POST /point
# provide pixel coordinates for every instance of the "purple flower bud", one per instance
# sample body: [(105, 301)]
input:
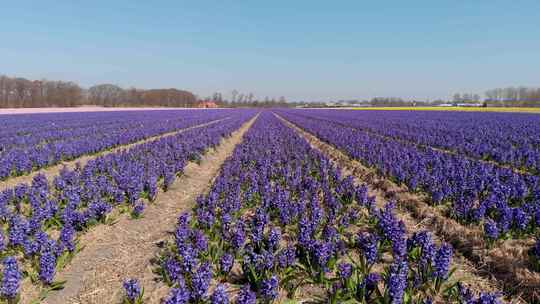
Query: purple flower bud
[(138, 208), (132, 289), (345, 270)]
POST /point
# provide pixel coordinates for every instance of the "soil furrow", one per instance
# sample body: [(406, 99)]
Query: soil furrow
[(476, 265), (55, 169), (125, 249)]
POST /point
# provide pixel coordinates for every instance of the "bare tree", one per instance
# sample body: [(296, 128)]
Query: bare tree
[(234, 93), (457, 97)]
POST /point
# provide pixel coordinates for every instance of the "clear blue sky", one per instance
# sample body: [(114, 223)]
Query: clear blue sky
[(316, 50)]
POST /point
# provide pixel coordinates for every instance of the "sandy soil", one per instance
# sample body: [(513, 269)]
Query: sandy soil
[(113, 253), (52, 171), (468, 272)]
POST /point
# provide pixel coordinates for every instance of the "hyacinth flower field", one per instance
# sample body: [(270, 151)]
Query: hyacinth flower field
[(31, 142), (270, 206)]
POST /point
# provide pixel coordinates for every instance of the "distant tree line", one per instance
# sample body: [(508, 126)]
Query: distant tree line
[(501, 97), (466, 98), (511, 96), (109, 95), (18, 92), (390, 102), (245, 100), (21, 92)]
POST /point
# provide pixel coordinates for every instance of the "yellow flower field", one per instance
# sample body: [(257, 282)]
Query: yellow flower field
[(467, 109)]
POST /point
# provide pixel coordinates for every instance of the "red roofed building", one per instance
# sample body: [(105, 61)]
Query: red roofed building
[(207, 104)]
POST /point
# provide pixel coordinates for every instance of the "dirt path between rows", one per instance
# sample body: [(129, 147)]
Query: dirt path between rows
[(55, 169), (113, 253), (473, 274)]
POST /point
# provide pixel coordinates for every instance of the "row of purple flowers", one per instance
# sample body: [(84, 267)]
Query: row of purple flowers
[(279, 218), (40, 222), (505, 138), (31, 142), (505, 202)]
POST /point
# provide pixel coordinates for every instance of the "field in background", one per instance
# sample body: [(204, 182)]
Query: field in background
[(82, 109), (467, 109)]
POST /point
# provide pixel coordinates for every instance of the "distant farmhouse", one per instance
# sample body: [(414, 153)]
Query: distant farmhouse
[(460, 105), (207, 104)]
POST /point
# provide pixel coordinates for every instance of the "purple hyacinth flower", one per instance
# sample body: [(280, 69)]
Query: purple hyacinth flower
[(67, 234), (488, 298), (219, 296), (200, 241), (246, 296), (286, 257), (424, 241), (178, 295), (269, 288), (442, 261), (371, 280), (521, 219), (226, 263), (138, 208), (491, 230), (132, 289), (172, 269), (200, 281), (397, 281), (11, 278), (274, 236), (345, 270), (368, 243), (47, 264)]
